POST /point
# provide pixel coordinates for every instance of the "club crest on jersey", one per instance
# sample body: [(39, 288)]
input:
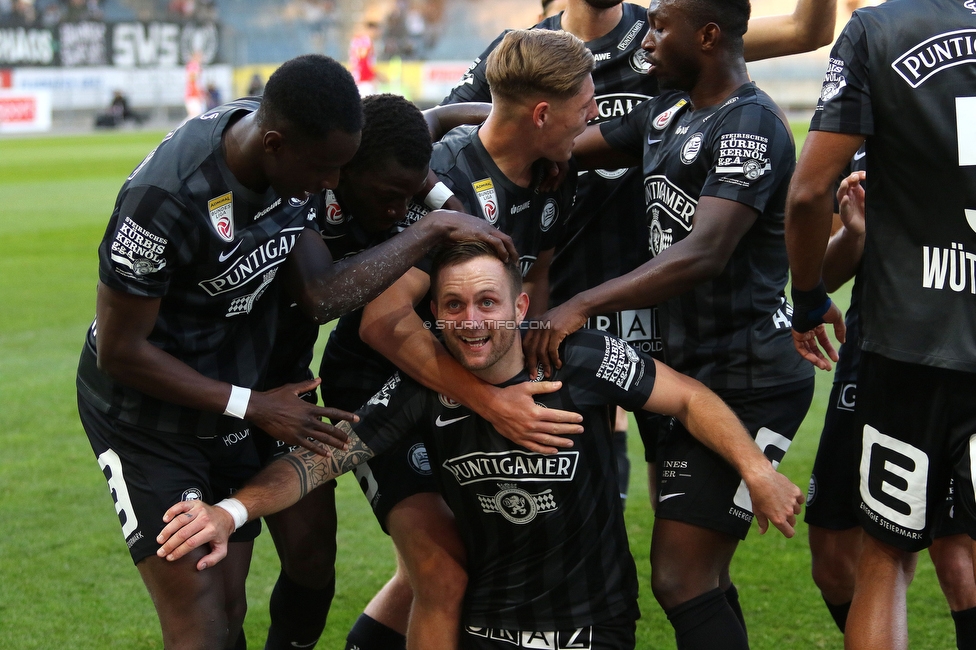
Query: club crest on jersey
[(639, 62), (296, 202), (661, 121), (333, 211), (447, 402), (691, 148), (834, 80), (549, 213), (222, 215), (517, 505), (192, 494), (418, 460), (485, 191)]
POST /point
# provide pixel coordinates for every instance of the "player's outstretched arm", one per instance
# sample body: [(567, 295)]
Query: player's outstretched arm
[(191, 524), (325, 290), (125, 322), (391, 327), (809, 207), (719, 226), (811, 25), (774, 498), (592, 151)]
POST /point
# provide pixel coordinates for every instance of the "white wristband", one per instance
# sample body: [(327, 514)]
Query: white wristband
[(237, 403), (438, 196), (236, 510)]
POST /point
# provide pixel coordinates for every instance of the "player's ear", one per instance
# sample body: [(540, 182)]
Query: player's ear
[(273, 140), (540, 114), (521, 306), (709, 36), (433, 307)]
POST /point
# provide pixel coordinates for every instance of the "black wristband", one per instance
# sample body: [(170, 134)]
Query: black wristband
[(809, 307)]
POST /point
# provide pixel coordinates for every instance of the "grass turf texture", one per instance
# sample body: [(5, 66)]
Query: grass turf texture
[(66, 580)]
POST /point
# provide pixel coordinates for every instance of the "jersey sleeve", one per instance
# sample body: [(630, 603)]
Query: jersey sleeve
[(139, 252), (626, 133), (603, 369), (752, 156), (473, 86), (845, 97), (392, 413)]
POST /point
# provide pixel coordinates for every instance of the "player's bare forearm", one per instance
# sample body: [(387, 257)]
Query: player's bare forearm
[(441, 119), (809, 204), (811, 25), (325, 290), (592, 151)]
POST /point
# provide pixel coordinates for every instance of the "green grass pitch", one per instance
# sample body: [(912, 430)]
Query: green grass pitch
[(66, 580)]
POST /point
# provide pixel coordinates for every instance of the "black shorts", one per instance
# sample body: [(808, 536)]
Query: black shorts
[(917, 427), (616, 634), (399, 472), (149, 471), (652, 427), (698, 487), (832, 497)]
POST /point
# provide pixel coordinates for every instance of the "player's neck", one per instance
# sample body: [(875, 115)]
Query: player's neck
[(506, 144), (242, 149), (716, 82), (589, 23)]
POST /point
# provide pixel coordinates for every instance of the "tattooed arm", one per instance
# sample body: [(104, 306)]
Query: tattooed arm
[(190, 524)]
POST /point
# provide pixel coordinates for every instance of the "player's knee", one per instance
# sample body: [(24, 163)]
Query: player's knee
[(314, 570), (236, 610), (834, 576), (668, 587)]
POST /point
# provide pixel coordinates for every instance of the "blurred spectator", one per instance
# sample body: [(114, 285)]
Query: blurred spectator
[(193, 95), (118, 113), (51, 14), (213, 96), (362, 59), (18, 13), (256, 87), (81, 10)]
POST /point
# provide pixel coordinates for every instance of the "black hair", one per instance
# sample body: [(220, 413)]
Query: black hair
[(392, 128), (732, 16), (313, 94)]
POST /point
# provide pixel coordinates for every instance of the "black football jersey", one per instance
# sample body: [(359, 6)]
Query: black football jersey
[(297, 333), (731, 332), (545, 537), (184, 230), (604, 236), (529, 217), (903, 74)]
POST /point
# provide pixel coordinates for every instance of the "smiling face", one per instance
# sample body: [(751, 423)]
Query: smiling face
[(298, 167), (567, 119), (480, 312), (671, 45), (379, 196)]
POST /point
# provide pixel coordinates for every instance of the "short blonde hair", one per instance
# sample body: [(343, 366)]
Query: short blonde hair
[(532, 62)]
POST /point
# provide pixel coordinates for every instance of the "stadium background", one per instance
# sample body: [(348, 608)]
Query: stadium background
[(65, 577)]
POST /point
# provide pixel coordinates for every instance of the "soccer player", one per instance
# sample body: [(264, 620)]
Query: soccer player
[(543, 99), (835, 537), (186, 314), (900, 78), (605, 234), (370, 200), (717, 159), (547, 549)]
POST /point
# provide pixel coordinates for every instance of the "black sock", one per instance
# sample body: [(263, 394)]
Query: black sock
[(619, 441), (707, 622), (965, 621), (369, 634), (241, 643), (297, 614), (839, 612), (732, 596)]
